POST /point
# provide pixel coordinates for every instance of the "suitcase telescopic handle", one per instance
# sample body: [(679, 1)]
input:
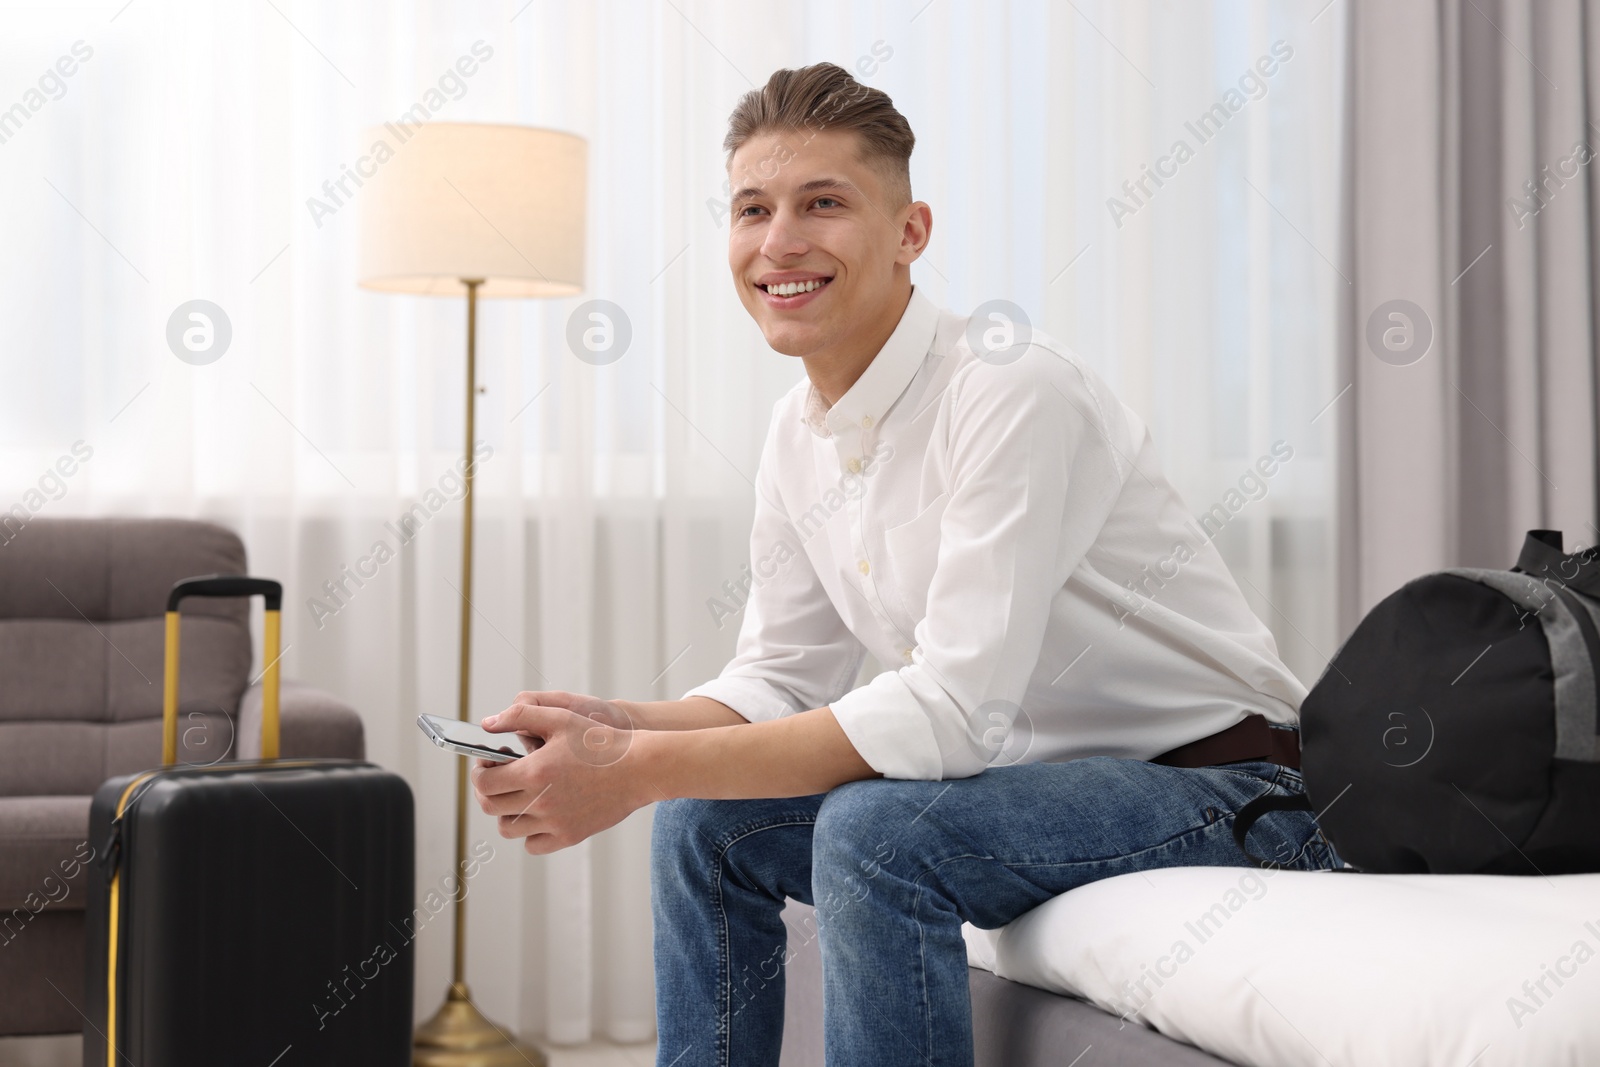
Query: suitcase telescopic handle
[(224, 585)]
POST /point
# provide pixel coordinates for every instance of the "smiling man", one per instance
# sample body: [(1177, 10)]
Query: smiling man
[(1051, 711)]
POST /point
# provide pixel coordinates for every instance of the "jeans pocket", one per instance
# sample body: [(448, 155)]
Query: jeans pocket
[(1290, 779), (1317, 852)]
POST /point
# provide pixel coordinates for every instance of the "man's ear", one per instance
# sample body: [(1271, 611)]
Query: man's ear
[(915, 233)]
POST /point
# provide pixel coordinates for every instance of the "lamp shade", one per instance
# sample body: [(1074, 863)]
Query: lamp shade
[(444, 201)]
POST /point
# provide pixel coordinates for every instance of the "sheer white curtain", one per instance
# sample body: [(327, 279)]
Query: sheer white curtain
[(179, 161)]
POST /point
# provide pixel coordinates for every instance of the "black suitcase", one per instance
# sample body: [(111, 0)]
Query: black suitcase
[(249, 913)]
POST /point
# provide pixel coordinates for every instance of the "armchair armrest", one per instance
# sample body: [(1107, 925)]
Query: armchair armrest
[(311, 724)]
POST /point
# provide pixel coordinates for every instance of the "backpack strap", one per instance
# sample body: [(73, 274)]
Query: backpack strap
[(1543, 557), (1253, 810)]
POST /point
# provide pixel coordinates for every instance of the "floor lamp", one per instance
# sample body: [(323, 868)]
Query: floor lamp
[(452, 209)]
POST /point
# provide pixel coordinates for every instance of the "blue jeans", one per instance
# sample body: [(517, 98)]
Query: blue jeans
[(893, 868)]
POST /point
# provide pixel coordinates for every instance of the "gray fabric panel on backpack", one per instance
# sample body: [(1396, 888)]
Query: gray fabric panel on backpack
[(1569, 657)]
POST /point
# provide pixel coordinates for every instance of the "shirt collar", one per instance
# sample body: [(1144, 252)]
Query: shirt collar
[(885, 378)]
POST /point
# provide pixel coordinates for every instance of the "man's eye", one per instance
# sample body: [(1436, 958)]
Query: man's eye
[(744, 211), (825, 201)]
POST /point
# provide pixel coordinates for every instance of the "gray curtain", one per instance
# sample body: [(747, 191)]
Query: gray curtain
[(1470, 193)]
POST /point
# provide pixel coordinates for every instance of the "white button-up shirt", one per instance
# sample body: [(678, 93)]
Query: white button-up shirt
[(997, 530)]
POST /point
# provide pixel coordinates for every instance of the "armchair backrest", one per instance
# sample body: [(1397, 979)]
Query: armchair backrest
[(81, 649)]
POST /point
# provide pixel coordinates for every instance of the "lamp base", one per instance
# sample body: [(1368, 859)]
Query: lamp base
[(459, 1035)]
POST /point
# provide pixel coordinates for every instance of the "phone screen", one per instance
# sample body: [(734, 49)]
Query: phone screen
[(470, 735)]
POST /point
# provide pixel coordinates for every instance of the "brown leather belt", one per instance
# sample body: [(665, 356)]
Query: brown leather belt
[(1249, 739)]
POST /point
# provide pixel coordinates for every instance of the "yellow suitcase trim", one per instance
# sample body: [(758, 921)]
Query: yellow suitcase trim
[(212, 586)]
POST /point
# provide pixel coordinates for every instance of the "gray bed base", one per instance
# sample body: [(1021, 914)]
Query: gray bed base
[(1013, 1025)]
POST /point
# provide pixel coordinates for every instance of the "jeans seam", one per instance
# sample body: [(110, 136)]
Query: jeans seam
[(1244, 773), (725, 938), (925, 1003), (1095, 860)]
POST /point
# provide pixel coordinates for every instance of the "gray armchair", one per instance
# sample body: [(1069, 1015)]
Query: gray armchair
[(81, 663)]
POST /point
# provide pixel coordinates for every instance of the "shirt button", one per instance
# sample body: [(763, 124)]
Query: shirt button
[(866, 422), (862, 567), (854, 465), (906, 655)]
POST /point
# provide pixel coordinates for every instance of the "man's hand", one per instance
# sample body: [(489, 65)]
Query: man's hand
[(593, 767), (572, 786)]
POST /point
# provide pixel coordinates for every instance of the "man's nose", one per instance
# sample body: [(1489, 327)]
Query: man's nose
[(784, 237)]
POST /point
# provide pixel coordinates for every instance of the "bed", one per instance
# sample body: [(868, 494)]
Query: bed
[(1225, 965)]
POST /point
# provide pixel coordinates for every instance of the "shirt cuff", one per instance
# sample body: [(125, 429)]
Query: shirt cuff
[(753, 698), (889, 728)]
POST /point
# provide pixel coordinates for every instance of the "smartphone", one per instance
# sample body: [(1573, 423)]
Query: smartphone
[(470, 739)]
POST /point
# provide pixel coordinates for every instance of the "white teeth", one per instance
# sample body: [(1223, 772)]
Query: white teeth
[(792, 288)]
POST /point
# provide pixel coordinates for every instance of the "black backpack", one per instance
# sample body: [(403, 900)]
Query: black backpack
[(1457, 730)]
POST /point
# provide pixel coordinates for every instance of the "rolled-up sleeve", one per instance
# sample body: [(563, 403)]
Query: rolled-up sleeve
[(794, 652), (1033, 474)]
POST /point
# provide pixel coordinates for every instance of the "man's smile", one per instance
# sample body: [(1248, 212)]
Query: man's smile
[(786, 290)]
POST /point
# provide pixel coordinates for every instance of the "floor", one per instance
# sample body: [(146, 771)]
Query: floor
[(602, 1055), (67, 1051)]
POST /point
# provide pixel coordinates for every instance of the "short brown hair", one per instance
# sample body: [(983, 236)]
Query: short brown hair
[(821, 97)]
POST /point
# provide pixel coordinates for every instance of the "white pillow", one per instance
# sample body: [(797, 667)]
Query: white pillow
[(1290, 968)]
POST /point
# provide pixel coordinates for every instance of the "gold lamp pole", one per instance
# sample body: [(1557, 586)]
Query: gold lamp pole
[(459, 1034), (485, 210)]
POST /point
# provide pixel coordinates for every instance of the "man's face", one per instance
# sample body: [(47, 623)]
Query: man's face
[(814, 239)]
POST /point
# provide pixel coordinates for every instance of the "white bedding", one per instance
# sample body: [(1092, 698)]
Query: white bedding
[(1290, 968)]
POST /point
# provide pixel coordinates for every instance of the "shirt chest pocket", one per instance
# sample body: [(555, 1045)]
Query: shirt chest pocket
[(911, 551)]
